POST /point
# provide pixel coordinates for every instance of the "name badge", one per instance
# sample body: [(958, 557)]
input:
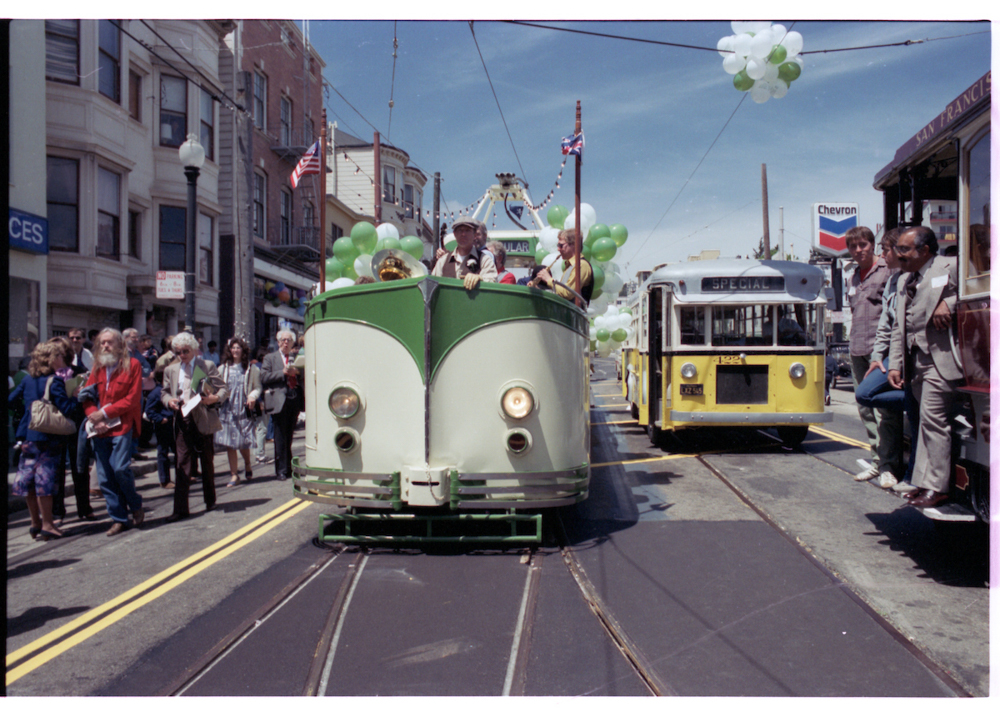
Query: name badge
[(852, 291), (938, 281)]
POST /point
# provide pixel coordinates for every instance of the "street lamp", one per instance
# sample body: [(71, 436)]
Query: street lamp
[(192, 158)]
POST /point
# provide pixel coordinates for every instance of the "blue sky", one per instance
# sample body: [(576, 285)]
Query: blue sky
[(650, 114)]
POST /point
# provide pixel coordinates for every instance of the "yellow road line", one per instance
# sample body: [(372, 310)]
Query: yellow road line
[(838, 437), (612, 423), (250, 532), (646, 460)]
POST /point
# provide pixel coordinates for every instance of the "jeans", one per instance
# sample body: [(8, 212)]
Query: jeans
[(260, 430), (874, 391), (114, 470)]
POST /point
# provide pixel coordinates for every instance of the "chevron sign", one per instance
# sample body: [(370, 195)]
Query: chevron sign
[(830, 223)]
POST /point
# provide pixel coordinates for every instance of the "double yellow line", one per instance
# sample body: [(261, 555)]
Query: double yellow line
[(25, 659)]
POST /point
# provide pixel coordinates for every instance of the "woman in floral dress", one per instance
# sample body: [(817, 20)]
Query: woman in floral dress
[(243, 380)]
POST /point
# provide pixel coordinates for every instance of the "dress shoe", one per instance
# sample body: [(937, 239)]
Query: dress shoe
[(89, 517), (167, 486), (209, 508), (928, 499), (174, 517), (116, 528), (138, 516)]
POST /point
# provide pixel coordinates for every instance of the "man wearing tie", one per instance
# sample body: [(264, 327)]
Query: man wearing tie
[(922, 352), (190, 379), (283, 399)]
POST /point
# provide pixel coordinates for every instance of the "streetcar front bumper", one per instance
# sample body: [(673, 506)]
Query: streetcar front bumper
[(736, 418)]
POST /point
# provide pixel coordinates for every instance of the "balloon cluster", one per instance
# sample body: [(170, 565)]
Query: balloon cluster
[(352, 255), (609, 330), (763, 58), (277, 293), (599, 248)]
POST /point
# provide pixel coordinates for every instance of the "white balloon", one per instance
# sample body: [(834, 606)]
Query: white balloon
[(601, 322), (600, 304), (757, 26), (770, 72), (725, 46), (588, 218), (778, 33), (363, 265), (734, 63), (450, 237), (386, 230), (738, 26), (550, 259), (760, 46), (741, 44), (613, 283), (760, 92), (548, 238), (792, 43), (603, 349), (341, 283), (593, 333), (756, 68), (611, 311), (779, 88)]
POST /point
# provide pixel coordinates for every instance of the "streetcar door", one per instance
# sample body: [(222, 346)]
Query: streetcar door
[(657, 336)]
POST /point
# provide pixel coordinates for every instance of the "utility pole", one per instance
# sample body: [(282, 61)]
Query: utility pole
[(436, 238), (781, 230), (767, 233)]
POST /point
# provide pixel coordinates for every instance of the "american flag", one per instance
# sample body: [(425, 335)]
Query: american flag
[(573, 144), (309, 164)]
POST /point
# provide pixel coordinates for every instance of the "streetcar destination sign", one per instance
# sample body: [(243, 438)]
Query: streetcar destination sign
[(516, 246), (729, 284)]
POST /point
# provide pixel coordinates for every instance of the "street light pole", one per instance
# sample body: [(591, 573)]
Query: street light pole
[(192, 158)]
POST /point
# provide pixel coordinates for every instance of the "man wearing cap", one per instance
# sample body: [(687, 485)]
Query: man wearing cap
[(466, 262)]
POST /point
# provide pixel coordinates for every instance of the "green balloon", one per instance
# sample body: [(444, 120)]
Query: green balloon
[(450, 245), (557, 215), (345, 251), (594, 294), (364, 236), (593, 346), (597, 231), (604, 249), (603, 334), (349, 272), (334, 268), (619, 335), (789, 71), (598, 278), (412, 246), (742, 81), (387, 243), (619, 233), (624, 310), (778, 55), (587, 253), (540, 255)]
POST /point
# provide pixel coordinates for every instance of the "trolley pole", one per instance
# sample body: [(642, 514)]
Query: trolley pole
[(579, 236), (322, 205), (767, 231), (436, 238)]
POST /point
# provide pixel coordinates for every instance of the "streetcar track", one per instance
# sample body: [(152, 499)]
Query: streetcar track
[(319, 672)]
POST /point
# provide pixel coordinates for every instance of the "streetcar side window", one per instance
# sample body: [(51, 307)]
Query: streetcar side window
[(693, 325), (976, 241)]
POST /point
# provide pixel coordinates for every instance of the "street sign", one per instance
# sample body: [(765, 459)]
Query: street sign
[(170, 285)]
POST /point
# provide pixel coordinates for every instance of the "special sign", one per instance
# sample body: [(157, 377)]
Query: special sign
[(733, 284)]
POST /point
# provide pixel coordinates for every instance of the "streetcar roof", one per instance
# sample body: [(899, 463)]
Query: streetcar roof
[(741, 280)]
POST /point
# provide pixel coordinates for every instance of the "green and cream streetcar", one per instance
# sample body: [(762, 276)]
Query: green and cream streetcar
[(437, 413)]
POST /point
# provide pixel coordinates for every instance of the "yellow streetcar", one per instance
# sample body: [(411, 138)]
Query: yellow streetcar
[(729, 342)]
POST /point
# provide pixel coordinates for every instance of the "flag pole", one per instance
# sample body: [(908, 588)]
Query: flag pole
[(579, 237), (322, 206)]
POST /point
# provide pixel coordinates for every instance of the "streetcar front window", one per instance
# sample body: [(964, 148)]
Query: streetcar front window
[(746, 325), (693, 325)]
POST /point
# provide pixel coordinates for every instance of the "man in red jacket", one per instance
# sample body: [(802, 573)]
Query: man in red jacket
[(112, 420)]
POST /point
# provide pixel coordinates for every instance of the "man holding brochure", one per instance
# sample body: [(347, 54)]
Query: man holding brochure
[(192, 388), (114, 411)]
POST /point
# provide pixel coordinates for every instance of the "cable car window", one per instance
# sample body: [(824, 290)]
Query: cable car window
[(693, 325)]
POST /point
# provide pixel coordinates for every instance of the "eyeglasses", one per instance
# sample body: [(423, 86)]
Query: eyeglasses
[(285, 341), (184, 352), (76, 338)]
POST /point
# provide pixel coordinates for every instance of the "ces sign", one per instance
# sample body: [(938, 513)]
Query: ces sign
[(28, 232)]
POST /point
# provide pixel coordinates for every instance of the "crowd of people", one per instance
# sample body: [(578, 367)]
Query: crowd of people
[(80, 406), (904, 359)]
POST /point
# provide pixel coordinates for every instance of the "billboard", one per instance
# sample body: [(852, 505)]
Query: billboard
[(830, 222)]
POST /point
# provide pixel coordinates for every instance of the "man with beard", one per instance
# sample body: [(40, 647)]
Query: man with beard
[(113, 417)]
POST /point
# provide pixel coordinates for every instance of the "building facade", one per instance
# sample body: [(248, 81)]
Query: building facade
[(121, 97), (273, 238)]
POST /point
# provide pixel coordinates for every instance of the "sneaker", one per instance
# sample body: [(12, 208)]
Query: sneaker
[(867, 474), (886, 480)]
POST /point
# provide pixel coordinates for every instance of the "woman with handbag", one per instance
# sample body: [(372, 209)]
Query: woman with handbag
[(43, 430), (238, 412)]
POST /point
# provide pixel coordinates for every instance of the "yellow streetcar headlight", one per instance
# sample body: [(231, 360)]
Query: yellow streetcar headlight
[(796, 370), (344, 402), (517, 402), (688, 370)]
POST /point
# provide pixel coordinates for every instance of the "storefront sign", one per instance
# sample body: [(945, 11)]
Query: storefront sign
[(28, 232)]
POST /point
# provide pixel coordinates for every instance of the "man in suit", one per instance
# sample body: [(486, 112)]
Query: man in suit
[(922, 353), (183, 382), (283, 399)]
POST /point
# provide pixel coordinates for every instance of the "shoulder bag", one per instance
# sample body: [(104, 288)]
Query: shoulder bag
[(46, 418)]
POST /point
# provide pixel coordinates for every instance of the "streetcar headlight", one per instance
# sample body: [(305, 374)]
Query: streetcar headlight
[(518, 441), (688, 370), (346, 439), (344, 402), (796, 370), (517, 402)]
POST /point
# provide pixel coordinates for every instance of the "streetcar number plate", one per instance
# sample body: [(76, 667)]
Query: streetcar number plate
[(729, 359), (692, 389)]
